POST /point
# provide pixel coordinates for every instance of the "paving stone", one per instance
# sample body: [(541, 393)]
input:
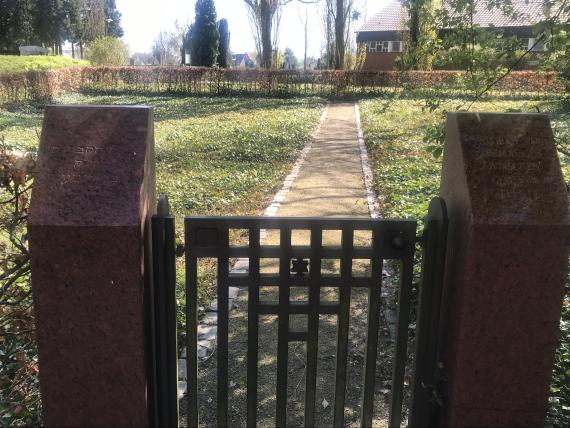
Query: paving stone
[(241, 266), (214, 305), (203, 352), (182, 369), (233, 291), (207, 332), (211, 318), (182, 388)]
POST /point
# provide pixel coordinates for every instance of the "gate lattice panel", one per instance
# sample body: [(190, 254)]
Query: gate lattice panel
[(209, 237)]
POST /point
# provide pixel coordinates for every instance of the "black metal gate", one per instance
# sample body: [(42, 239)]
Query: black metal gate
[(299, 266)]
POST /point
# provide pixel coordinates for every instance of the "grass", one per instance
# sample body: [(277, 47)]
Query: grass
[(15, 64), (407, 177), (214, 156)]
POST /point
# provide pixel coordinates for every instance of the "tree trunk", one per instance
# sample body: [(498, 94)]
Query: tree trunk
[(306, 38), (265, 26), (72, 50), (339, 35), (414, 34)]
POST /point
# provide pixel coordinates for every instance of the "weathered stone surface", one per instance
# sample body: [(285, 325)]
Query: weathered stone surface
[(507, 260), (182, 371), (93, 194)]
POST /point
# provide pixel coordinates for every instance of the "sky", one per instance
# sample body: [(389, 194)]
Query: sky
[(142, 20)]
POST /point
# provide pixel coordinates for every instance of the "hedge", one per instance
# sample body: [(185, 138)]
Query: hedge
[(45, 85)]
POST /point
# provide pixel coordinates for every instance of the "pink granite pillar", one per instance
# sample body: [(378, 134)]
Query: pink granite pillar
[(506, 266), (92, 197)]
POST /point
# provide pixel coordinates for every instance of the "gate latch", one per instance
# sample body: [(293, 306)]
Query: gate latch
[(300, 266)]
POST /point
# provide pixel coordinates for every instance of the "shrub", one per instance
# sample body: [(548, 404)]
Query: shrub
[(19, 389), (108, 51), (41, 86)]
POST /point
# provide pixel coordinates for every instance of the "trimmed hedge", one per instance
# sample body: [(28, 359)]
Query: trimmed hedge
[(45, 85)]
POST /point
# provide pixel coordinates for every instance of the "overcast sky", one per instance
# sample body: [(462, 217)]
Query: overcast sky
[(143, 19)]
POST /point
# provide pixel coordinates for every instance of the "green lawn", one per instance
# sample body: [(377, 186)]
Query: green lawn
[(214, 155), (14, 63)]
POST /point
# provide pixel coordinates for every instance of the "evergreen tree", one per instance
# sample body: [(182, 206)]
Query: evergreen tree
[(224, 50), (93, 20), (188, 45), (50, 23), (16, 25), (205, 38), (113, 19)]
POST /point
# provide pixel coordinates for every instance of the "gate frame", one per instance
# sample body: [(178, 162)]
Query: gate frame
[(395, 246)]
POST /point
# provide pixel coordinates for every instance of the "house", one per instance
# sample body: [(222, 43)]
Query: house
[(244, 60), (383, 35)]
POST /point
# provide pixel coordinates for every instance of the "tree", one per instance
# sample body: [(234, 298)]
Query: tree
[(305, 23), (166, 48), (50, 23), (112, 20), (290, 61), (339, 26), (16, 24), (224, 48), (327, 17), (93, 15), (108, 51), (205, 38), (264, 18), (187, 45)]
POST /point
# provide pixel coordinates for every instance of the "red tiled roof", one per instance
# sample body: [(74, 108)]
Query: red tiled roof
[(391, 18), (526, 13)]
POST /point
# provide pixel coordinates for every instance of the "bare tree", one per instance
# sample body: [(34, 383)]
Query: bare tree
[(339, 26), (166, 48), (336, 28), (305, 23), (327, 16), (265, 16)]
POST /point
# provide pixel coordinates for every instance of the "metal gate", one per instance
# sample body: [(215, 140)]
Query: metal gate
[(298, 266)]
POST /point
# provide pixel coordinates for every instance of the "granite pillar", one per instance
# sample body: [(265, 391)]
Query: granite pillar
[(92, 198), (506, 265)]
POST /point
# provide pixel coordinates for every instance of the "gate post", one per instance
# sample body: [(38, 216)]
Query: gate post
[(89, 228), (506, 264)]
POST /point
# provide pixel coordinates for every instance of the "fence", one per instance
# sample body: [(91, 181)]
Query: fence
[(46, 85)]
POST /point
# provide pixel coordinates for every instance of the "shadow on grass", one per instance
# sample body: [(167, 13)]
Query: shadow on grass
[(176, 106)]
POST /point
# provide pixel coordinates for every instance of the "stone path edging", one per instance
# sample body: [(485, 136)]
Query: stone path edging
[(371, 196), (207, 328), (388, 292)]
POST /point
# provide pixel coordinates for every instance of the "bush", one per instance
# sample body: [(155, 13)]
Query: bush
[(108, 51), (41, 86), (19, 388)]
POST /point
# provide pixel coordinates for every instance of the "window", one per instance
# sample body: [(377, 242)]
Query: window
[(537, 46), (387, 46), (396, 47), (525, 43)]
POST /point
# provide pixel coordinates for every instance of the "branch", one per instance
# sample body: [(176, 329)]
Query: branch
[(490, 85)]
